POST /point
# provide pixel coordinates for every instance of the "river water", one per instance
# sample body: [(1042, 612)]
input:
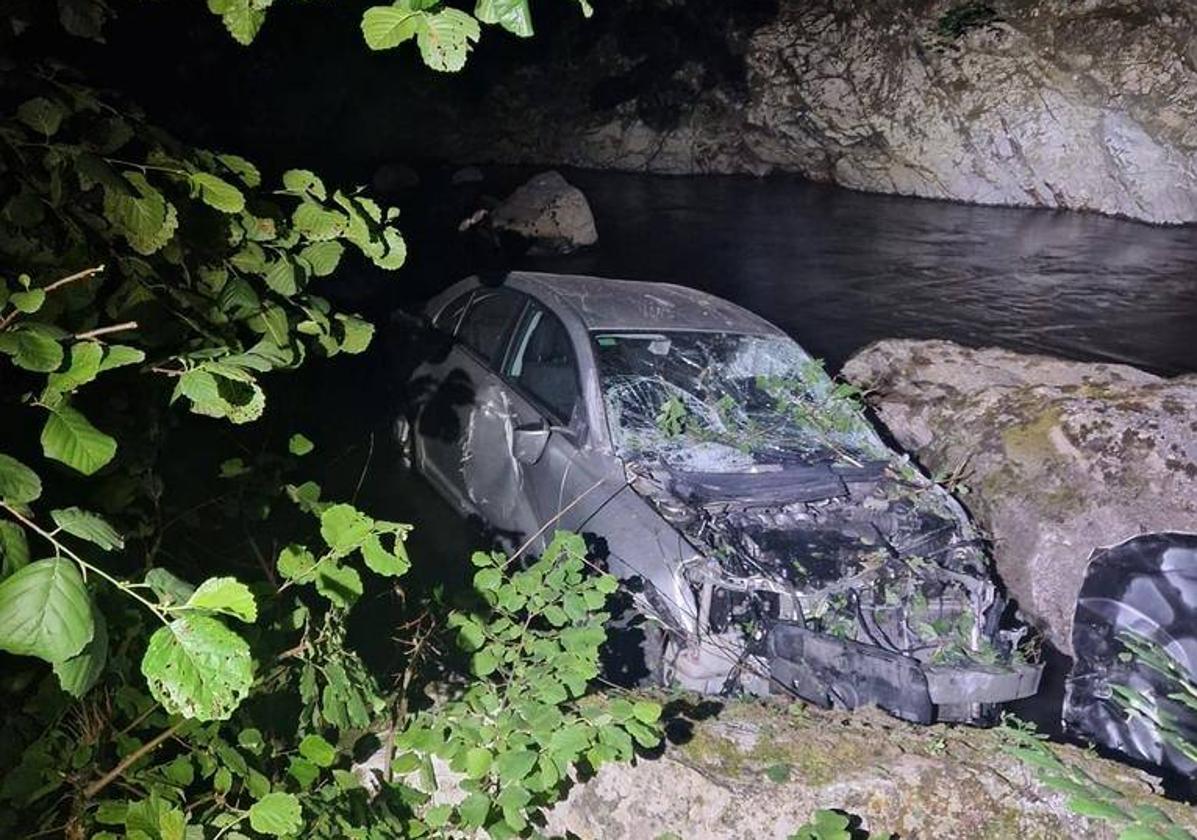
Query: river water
[(838, 269)]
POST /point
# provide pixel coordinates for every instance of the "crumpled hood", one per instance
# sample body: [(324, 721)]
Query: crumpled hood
[(876, 553)]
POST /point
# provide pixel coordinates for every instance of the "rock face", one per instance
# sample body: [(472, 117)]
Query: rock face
[(1058, 457), (1052, 103), (758, 772), (550, 211)]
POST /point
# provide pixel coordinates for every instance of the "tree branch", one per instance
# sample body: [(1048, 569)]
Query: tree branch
[(115, 773), (127, 325)]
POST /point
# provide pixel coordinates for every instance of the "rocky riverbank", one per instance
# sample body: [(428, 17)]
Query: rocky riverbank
[(1049, 103)]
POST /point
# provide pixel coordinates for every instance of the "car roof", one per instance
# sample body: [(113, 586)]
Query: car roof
[(602, 303)]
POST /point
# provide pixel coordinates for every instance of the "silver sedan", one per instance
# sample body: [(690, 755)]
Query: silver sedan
[(769, 537)]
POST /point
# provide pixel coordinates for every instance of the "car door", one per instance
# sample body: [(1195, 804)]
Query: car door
[(480, 323), (542, 373)]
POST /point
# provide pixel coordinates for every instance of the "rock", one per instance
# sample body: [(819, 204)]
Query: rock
[(394, 177), (1088, 105), (550, 211), (757, 771), (1058, 457), (467, 175)]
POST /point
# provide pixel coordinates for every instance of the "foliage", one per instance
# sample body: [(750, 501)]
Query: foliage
[(1152, 708), (143, 275), (1087, 796), (518, 728), (443, 34)]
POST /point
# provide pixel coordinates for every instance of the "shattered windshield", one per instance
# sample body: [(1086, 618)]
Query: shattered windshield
[(722, 402)]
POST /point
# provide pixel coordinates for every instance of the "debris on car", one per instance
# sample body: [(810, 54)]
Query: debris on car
[(765, 528)]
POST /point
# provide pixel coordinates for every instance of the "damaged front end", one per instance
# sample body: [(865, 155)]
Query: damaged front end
[(822, 564)]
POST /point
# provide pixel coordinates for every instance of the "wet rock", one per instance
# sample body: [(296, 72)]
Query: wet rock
[(1058, 457), (394, 177), (757, 771), (467, 175), (550, 211), (1054, 103)]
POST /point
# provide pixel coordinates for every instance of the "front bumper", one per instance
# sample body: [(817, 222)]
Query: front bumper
[(829, 671)]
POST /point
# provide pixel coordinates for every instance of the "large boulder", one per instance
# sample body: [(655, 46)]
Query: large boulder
[(1057, 458), (1053, 103), (759, 771), (550, 211)]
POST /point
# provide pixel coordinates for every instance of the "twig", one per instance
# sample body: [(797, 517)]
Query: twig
[(365, 469), (127, 325), (95, 787), (78, 275), (553, 519)]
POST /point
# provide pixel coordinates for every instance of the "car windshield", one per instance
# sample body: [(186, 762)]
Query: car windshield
[(723, 402)]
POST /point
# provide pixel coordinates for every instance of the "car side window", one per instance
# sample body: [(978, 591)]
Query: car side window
[(543, 364), (488, 322), (448, 319)]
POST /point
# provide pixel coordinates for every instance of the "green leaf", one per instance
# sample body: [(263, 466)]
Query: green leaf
[(512, 15), (299, 445), (218, 193), (118, 355), (19, 485), (281, 277), (42, 115), (243, 169), (474, 810), (296, 563), (45, 611), (646, 711), (14, 548), (317, 750), (198, 668), (445, 39), (316, 223), (304, 181), (477, 762), (487, 580), (323, 257), (242, 18), (141, 214), (340, 584), (515, 765), (277, 814), (29, 301), (85, 366), (70, 437), (78, 674), (344, 528), (385, 27), (225, 595), (88, 526), (357, 333), (32, 350), (383, 562)]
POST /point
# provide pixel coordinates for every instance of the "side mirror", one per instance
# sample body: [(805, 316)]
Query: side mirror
[(528, 443)]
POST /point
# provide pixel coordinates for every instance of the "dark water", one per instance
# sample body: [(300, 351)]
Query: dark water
[(838, 269)]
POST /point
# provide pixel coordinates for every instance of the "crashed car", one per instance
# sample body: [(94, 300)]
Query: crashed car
[(771, 539)]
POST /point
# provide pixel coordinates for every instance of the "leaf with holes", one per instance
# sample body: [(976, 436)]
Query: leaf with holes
[(45, 611), (88, 526), (198, 668), (445, 39), (70, 437)]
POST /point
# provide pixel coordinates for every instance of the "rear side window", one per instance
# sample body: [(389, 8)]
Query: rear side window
[(543, 364), (488, 322)]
